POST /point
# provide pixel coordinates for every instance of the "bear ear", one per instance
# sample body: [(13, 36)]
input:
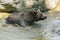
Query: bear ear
[(35, 12), (38, 11)]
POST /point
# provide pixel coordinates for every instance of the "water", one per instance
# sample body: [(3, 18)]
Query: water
[(42, 30)]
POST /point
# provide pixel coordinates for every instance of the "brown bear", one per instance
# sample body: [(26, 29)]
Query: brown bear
[(25, 18)]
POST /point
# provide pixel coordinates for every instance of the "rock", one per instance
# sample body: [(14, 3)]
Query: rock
[(3, 15)]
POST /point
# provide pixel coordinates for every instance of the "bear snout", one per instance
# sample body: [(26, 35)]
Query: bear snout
[(44, 17)]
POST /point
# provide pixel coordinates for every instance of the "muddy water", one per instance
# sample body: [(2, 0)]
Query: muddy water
[(42, 30)]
